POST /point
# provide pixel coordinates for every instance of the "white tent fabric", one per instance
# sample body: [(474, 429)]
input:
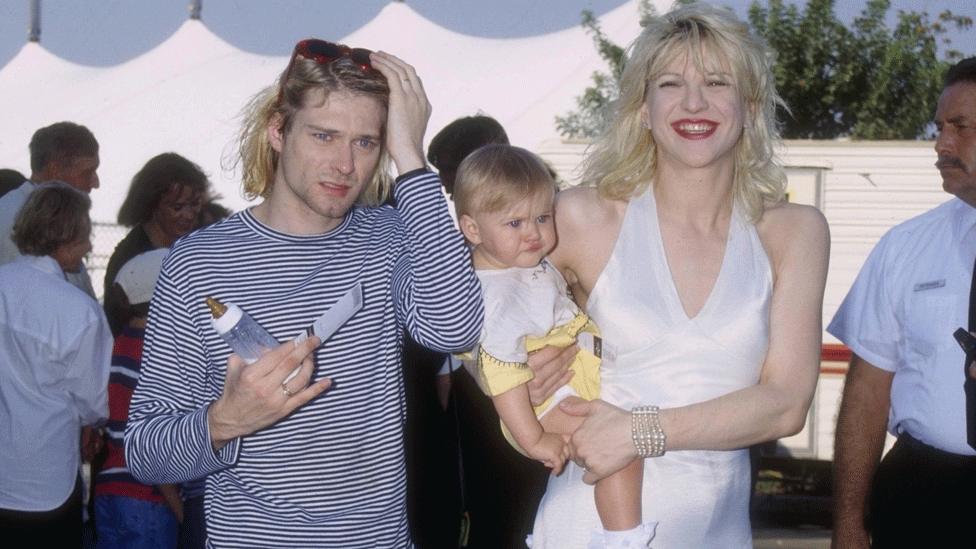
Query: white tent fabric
[(185, 95)]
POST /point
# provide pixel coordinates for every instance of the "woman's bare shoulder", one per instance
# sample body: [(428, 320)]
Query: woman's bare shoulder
[(582, 207), (587, 226), (787, 229), (787, 214)]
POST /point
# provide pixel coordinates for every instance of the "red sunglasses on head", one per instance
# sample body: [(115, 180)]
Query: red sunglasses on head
[(323, 53)]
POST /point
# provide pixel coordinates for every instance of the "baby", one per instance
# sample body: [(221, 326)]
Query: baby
[(504, 200)]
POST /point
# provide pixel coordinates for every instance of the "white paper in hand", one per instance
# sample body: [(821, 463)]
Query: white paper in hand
[(332, 319), (337, 315)]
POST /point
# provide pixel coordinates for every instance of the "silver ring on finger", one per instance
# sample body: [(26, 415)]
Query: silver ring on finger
[(284, 389)]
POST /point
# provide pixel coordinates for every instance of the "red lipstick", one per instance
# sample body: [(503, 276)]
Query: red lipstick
[(697, 128)]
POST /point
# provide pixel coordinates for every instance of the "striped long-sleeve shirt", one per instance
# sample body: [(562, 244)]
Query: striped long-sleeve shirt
[(332, 473), (115, 479)]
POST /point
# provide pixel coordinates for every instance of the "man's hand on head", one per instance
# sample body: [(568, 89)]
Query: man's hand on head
[(408, 113)]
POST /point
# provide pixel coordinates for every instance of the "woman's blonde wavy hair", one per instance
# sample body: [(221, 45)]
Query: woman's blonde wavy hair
[(259, 160), (623, 161)]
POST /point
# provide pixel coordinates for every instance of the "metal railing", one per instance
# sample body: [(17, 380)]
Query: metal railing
[(105, 236)]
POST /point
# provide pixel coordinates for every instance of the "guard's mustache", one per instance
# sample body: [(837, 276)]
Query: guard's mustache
[(949, 162)]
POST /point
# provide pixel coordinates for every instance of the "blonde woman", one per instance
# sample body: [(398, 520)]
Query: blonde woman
[(707, 285)]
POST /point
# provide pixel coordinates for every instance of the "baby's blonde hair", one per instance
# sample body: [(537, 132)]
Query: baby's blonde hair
[(495, 177)]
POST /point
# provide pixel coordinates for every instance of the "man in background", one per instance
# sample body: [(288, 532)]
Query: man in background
[(907, 372), (54, 364), (63, 151)]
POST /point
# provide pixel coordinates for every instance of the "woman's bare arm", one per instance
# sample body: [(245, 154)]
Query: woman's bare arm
[(797, 242)]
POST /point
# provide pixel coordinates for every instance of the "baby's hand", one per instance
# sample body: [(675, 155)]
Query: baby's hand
[(551, 450)]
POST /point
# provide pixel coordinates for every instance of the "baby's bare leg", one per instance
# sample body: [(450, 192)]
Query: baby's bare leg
[(618, 497), (559, 422)]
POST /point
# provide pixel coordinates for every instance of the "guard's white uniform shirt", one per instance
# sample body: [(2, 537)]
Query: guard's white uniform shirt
[(911, 294)]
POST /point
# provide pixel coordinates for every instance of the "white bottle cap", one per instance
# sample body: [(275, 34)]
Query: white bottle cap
[(228, 320)]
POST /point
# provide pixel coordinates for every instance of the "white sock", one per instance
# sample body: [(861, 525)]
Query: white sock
[(638, 537)]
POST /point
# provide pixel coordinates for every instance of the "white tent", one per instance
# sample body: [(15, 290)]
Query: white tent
[(185, 95)]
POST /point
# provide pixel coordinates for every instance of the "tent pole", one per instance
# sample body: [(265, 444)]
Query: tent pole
[(34, 28)]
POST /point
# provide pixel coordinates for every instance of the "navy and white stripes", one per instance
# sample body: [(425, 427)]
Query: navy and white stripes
[(332, 473)]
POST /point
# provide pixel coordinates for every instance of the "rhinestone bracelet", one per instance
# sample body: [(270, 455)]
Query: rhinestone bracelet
[(646, 432)]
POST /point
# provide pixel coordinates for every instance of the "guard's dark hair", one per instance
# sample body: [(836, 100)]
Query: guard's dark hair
[(963, 71)]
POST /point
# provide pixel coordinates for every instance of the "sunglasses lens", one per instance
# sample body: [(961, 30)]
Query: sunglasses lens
[(320, 49), (361, 57), (323, 52)]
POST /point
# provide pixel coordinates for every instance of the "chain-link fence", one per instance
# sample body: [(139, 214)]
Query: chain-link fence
[(105, 236)]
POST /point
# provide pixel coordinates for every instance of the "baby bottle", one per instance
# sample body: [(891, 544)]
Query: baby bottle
[(241, 332)]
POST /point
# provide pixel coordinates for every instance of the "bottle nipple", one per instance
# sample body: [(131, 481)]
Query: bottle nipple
[(217, 309)]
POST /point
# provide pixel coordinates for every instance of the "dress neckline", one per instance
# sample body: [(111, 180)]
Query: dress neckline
[(657, 249)]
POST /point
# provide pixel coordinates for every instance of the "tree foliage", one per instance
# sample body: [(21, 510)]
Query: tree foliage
[(866, 81), (863, 80), (590, 116)]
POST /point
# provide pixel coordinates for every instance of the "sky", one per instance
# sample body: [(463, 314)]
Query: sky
[(108, 32)]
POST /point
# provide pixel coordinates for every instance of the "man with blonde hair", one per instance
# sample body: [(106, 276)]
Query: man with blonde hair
[(302, 468)]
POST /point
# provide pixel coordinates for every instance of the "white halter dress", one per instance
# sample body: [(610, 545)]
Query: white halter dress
[(699, 498)]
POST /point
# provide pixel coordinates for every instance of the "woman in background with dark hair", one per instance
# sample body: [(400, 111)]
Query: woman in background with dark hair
[(163, 204)]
